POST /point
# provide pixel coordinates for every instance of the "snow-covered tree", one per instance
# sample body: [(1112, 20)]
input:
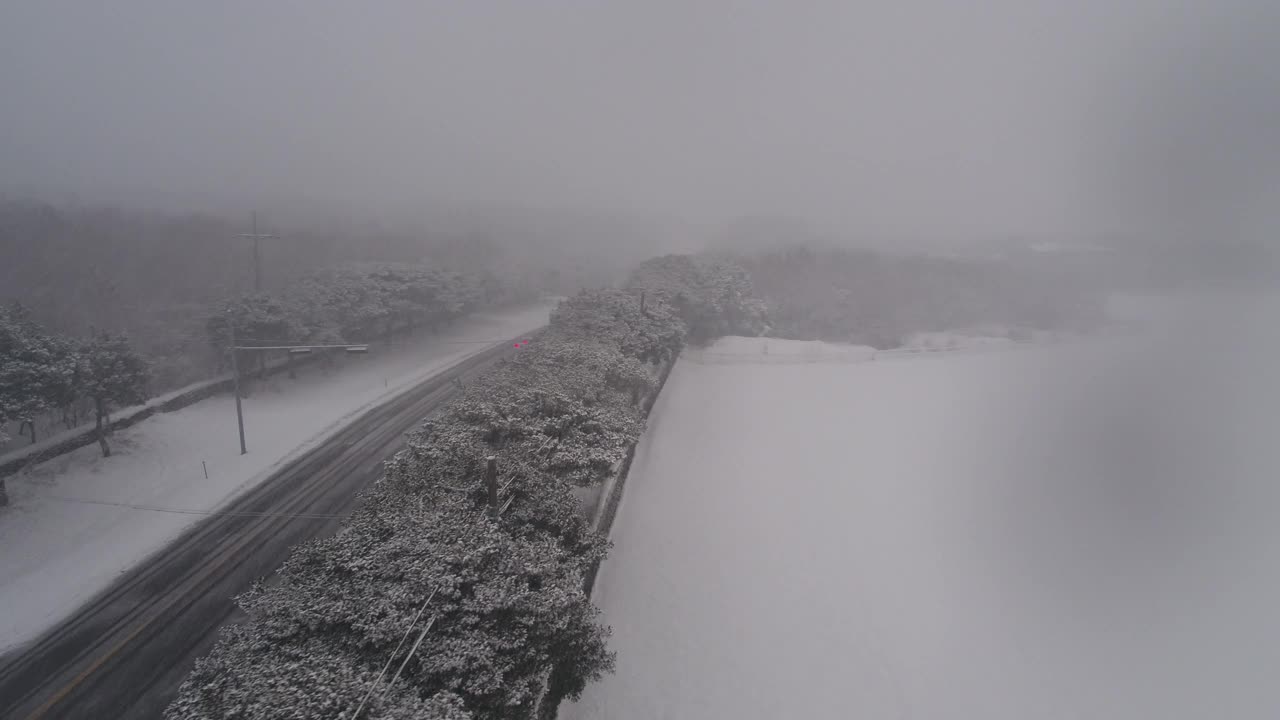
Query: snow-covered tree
[(715, 297), (113, 376), (38, 372)]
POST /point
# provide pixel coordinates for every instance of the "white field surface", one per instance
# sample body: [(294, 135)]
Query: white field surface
[(78, 521), (1088, 530)]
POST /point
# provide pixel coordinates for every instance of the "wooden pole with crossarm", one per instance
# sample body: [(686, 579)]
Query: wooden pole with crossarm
[(257, 253)]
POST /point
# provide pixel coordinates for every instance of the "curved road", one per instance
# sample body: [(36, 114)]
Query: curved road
[(124, 654)]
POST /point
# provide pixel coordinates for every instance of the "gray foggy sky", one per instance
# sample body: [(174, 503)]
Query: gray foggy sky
[(867, 117)]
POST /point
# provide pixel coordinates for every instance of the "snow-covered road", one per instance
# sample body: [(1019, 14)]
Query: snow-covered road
[(1086, 531), (78, 521)]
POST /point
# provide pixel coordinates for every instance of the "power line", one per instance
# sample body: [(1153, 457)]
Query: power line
[(395, 652)]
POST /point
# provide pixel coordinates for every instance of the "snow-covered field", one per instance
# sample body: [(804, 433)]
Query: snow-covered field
[(78, 521), (1085, 530)]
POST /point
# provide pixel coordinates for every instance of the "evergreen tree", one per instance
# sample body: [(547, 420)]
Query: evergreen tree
[(37, 371), (112, 375)]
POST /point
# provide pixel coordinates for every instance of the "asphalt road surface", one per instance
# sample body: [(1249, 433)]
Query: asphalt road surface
[(124, 654)]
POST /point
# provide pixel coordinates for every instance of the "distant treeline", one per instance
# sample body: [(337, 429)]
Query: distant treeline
[(154, 275), (41, 373), (354, 304), (879, 299)]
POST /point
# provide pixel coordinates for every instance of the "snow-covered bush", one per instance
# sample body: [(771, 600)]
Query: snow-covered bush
[(112, 375), (503, 606), (569, 405), (38, 371), (249, 676)]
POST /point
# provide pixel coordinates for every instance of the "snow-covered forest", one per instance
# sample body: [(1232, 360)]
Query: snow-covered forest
[(154, 273), (161, 286)]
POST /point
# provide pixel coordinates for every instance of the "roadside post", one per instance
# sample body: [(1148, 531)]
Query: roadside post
[(491, 485), (235, 373)]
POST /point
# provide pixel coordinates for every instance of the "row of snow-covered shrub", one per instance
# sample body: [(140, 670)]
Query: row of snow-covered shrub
[(502, 596), (348, 305)]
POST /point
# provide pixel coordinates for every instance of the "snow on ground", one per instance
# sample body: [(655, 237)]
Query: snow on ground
[(70, 529), (773, 351), (1080, 531)]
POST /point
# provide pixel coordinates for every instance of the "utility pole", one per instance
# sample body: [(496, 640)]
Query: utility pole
[(235, 373), (291, 349), (491, 485), (257, 253)]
